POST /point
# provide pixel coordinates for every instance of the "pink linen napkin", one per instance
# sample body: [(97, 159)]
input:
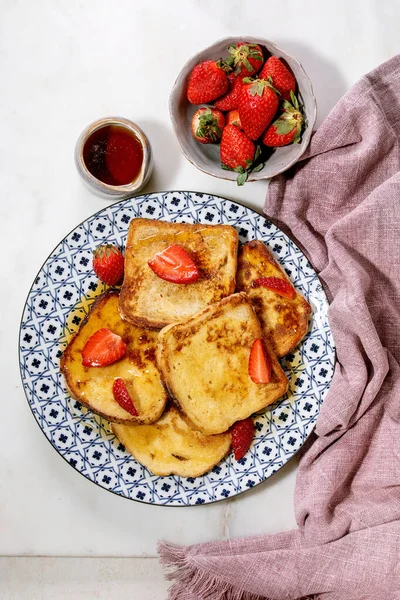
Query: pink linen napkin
[(341, 204)]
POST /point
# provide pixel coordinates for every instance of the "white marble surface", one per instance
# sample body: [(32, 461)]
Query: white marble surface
[(64, 63)]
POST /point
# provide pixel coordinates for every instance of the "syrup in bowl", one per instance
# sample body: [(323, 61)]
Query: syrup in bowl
[(113, 154)]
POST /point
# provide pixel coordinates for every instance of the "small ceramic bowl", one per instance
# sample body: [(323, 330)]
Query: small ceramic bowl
[(105, 190), (206, 156)]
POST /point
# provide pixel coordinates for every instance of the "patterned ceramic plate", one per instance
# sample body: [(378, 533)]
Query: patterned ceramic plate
[(58, 301)]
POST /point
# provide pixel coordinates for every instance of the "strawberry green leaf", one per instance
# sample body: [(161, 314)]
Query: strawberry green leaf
[(297, 136), (255, 53), (294, 100), (282, 126), (258, 167), (248, 66), (242, 178)]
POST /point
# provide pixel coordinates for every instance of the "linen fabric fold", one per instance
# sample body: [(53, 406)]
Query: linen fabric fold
[(341, 205)]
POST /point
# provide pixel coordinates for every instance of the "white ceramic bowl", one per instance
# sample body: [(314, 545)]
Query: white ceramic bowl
[(206, 156)]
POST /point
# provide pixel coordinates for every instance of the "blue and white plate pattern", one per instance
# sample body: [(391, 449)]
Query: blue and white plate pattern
[(58, 301)]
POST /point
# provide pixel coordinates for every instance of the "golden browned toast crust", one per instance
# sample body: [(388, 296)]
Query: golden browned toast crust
[(92, 386), (147, 300), (284, 321), (171, 447), (204, 365)]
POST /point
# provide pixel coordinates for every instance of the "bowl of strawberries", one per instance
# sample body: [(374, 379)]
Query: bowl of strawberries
[(243, 109)]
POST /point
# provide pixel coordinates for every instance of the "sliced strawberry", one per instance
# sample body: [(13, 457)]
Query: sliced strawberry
[(260, 366), (242, 435), (122, 396), (276, 284), (175, 265), (103, 348)]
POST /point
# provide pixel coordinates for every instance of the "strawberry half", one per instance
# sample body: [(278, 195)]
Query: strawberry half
[(242, 435), (175, 265), (237, 151), (282, 78), (122, 396), (108, 264), (258, 104), (260, 366), (287, 128), (207, 82), (277, 285), (103, 348), (247, 59), (207, 125)]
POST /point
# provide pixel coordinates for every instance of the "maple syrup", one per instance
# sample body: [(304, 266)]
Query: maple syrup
[(113, 154)]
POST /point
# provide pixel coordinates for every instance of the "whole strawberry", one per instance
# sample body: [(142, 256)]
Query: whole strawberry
[(207, 82), (237, 151), (207, 125), (242, 436), (231, 98), (287, 128), (282, 78), (258, 104), (246, 59), (108, 264)]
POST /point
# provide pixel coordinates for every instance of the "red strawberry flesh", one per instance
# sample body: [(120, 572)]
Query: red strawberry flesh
[(242, 436), (174, 265), (260, 366), (207, 82), (108, 264), (288, 127), (273, 139), (231, 98), (122, 396), (277, 285), (237, 150), (232, 118), (103, 348), (258, 104), (282, 78)]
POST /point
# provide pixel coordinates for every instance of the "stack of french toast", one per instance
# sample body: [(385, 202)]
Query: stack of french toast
[(189, 348)]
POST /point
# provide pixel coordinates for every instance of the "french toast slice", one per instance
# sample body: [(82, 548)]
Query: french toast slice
[(284, 321), (92, 386), (149, 301), (204, 360), (171, 447)]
